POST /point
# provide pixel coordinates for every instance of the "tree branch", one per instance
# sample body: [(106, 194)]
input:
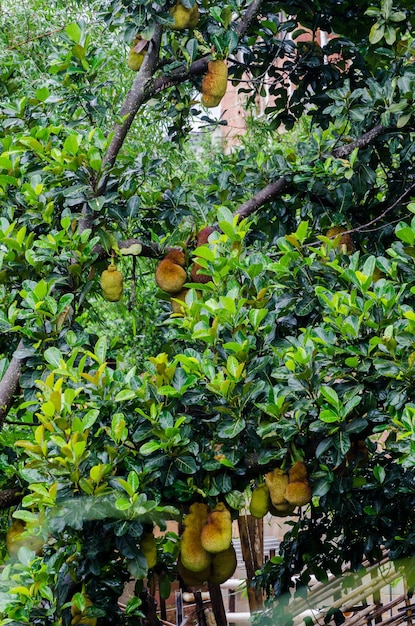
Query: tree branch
[(361, 142), (268, 193), (9, 383)]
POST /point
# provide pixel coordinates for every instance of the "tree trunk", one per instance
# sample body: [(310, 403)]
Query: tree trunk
[(251, 533)]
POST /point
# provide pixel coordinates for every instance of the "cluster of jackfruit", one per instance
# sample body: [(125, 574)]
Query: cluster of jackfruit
[(281, 492), (214, 83), (206, 550), (184, 17), (112, 283)]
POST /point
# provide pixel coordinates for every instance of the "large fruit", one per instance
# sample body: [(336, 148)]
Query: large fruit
[(260, 501), (298, 493), (184, 17), (112, 283), (170, 272), (192, 579), (277, 481), (193, 555), (216, 534), (214, 83), (137, 53), (298, 472), (223, 566)]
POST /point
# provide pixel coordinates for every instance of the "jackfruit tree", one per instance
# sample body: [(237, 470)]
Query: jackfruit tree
[(192, 330)]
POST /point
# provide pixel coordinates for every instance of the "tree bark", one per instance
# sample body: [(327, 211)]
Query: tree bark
[(9, 383), (251, 533)]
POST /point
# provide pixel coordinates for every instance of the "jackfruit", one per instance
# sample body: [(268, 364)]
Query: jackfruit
[(298, 472), (345, 242), (18, 535), (148, 547), (223, 566), (137, 53), (193, 555), (170, 272), (214, 83), (112, 283), (216, 534), (260, 501), (298, 493), (282, 510), (277, 481), (192, 579), (184, 17)]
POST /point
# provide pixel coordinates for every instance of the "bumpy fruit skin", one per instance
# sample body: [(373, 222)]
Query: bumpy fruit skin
[(148, 547), (17, 536), (79, 617), (223, 566), (260, 501), (214, 83), (112, 283), (298, 472), (193, 555), (345, 243), (184, 17), (170, 272), (298, 493), (135, 59), (216, 534), (277, 481)]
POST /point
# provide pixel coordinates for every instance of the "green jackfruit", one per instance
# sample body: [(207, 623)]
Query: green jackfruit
[(260, 501)]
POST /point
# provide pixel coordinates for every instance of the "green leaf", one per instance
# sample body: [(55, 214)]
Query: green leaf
[(74, 32), (53, 356), (100, 349), (330, 395)]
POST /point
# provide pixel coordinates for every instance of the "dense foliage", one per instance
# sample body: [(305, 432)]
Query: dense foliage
[(116, 416)]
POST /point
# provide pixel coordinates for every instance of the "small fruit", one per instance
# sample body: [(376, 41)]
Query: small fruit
[(214, 83), (137, 53), (298, 493), (223, 566), (170, 272), (260, 501), (112, 283), (216, 535)]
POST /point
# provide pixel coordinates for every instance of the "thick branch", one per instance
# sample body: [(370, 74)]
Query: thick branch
[(363, 141), (135, 98), (9, 383), (268, 193)]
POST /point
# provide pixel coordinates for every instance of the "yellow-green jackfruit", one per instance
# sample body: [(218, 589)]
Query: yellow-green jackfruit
[(223, 566), (260, 501), (192, 554), (277, 481), (112, 283), (216, 534), (214, 83)]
